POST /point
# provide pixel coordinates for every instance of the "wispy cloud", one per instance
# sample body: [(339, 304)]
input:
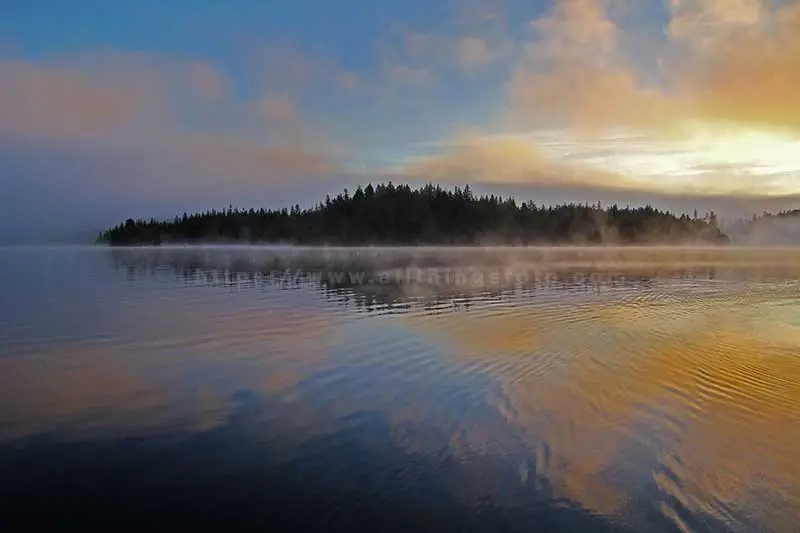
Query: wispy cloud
[(59, 102), (467, 52), (727, 60)]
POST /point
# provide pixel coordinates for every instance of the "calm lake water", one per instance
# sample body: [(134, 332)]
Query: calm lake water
[(583, 390)]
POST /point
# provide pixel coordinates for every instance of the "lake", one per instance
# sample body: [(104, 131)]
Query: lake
[(487, 389)]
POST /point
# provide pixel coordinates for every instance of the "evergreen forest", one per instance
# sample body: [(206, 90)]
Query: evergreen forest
[(389, 214)]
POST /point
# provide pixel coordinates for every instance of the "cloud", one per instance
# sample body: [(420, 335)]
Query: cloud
[(476, 52), (58, 102), (285, 67), (207, 81), (241, 157), (506, 159), (280, 108), (702, 159), (742, 67), (88, 96), (105, 93), (732, 60), (703, 20), (714, 110), (701, 162), (104, 131), (399, 75), (574, 72), (79, 190), (474, 40), (465, 53)]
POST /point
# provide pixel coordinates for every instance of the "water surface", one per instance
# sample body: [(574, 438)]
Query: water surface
[(585, 390)]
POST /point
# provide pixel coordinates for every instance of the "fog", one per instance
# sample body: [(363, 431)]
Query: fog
[(399, 275), (65, 194), (766, 232)]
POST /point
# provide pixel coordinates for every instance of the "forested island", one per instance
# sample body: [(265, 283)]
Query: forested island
[(389, 214)]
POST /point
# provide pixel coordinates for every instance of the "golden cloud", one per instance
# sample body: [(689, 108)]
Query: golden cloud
[(747, 70), (508, 159), (731, 60), (474, 156), (575, 73), (727, 67)]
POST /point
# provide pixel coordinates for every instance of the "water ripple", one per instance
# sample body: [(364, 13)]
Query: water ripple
[(574, 390)]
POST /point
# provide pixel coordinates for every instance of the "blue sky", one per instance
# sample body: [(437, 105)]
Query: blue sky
[(116, 109), (356, 36)]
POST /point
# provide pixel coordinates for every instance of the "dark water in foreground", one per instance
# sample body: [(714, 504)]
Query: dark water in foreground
[(431, 390)]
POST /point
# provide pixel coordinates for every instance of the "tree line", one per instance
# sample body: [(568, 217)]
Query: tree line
[(790, 213), (430, 215)]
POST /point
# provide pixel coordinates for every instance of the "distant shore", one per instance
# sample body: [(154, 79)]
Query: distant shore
[(389, 215), (405, 246)]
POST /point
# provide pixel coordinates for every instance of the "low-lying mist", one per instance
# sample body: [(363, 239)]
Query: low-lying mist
[(772, 231), (402, 274)]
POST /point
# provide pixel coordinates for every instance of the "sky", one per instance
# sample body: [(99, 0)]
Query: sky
[(152, 108)]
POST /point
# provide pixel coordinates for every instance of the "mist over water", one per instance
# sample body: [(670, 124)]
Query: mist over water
[(459, 389), (782, 231)]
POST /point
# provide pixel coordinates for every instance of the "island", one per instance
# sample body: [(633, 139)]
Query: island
[(389, 214)]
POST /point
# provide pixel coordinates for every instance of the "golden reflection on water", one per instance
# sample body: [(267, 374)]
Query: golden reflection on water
[(710, 388)]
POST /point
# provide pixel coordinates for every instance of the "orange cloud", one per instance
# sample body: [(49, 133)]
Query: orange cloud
[(727, 68), (474, 156), (728, 60), (39, 101), (575, 73), (91, 96), (741, 67), (507, 159)]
